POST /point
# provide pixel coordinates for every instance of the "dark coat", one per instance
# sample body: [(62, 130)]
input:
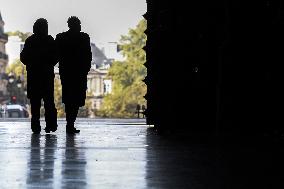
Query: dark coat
[(75, 58), (39, 56)]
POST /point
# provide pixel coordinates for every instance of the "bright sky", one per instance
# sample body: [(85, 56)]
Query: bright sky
[(103, 20)]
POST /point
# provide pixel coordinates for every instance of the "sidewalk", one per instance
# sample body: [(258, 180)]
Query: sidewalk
[(127, 154), (103, 155)]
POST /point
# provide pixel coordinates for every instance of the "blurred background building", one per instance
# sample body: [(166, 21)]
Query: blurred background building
[(3, 62)]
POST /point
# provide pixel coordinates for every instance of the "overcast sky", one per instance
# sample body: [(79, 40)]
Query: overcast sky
[(103, 20)]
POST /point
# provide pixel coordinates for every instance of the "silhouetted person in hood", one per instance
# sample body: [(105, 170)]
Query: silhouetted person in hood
[(74, 64), (39, 56)]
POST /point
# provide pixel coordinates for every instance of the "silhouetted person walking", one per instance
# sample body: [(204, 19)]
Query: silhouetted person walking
[(39, 56), (74, 64)]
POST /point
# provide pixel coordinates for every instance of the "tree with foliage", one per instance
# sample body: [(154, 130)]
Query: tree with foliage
[(87, 110), (19, 71), (57, 98), (17, 68), (128, 87), (22, 35)]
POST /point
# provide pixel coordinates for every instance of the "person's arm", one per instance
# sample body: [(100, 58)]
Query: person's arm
[(57, 47), (25, 54), (89, 51), (88, 55), (53, 51)]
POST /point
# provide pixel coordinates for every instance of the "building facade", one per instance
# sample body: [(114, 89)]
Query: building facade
[(98, 83), (98, 86), (3, 62)]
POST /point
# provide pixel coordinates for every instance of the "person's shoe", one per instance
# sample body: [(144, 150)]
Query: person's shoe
[(48, 129), (36, 129), (72, 130)]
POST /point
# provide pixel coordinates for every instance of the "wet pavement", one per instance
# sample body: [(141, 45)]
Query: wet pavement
[(106, 154), (127, 154)]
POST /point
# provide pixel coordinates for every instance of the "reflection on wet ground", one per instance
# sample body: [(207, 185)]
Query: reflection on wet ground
[(128, 154), (103, 155)]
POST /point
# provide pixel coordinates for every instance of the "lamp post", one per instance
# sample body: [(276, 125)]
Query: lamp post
[(11, 78), (11, 86), (26, 95), (19, 83), (19, 90), (15, 89)]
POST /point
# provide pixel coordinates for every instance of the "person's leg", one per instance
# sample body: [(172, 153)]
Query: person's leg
[(50, 113), (71, 115), (49, 106), (35, 111)]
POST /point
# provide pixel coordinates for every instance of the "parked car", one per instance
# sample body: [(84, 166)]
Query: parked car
[(14, 111)]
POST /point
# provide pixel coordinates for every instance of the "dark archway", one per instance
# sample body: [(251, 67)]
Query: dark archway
[(214, 66)]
